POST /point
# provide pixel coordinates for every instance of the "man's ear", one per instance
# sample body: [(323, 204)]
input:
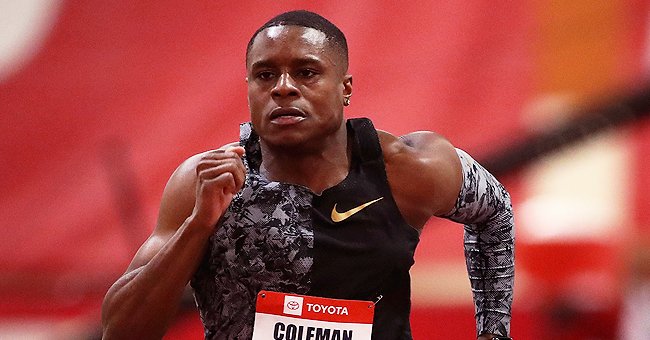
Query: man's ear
[(347, 85)]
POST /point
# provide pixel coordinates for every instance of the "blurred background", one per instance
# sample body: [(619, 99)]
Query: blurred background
[(101, 100)]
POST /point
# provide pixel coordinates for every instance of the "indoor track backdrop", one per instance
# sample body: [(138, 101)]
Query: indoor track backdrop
[(101, 100)]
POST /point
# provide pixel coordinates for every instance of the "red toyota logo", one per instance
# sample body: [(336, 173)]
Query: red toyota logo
[(293, 305)]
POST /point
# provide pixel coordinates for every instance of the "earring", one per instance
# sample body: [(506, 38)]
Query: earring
[(346, 100)]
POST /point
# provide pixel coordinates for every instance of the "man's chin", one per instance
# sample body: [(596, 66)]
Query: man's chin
[(290, 143), (286, 142), (306, 139)]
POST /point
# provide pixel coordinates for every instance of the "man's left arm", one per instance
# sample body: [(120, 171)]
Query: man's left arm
[(452, 185), (484, 207)]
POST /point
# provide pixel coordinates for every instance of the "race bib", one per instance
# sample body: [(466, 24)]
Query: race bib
[(282, 316)]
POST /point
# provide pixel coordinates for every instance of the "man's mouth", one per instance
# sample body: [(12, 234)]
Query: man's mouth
[(287, 115)]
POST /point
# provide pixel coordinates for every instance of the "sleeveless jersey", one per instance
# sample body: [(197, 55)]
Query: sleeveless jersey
[(350, 242)]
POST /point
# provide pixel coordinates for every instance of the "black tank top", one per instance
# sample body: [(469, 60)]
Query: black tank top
[(350, 242)]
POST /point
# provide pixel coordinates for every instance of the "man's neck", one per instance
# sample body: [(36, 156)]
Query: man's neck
[(316, 169)]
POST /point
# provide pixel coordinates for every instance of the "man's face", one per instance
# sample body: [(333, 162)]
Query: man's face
[(296, 83)]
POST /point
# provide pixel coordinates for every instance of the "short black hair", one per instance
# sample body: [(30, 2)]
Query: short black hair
[(307, 19)]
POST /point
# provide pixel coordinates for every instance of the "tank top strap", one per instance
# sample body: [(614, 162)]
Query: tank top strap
[(249, 139), (366, 139)]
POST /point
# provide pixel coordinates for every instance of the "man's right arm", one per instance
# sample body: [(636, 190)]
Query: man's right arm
[(142, 302)]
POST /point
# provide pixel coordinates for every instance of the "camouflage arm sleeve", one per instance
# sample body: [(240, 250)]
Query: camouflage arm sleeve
[(484, 207)]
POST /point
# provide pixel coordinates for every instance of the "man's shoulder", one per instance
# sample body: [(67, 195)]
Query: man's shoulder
[(423, 169), (427, 142), (423, 172), (186, 171), (417, 151)]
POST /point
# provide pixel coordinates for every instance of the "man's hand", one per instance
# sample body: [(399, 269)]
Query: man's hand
[(220, 174)]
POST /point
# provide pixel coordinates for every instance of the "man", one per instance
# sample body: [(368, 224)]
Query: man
[(309, 203)]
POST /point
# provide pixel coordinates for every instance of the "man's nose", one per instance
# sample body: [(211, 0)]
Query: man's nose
[(285, 87)]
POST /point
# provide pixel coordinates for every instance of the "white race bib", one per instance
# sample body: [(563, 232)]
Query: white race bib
[(282, 316)]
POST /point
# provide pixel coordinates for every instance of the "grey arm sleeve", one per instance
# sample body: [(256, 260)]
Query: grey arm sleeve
[(484, 207)]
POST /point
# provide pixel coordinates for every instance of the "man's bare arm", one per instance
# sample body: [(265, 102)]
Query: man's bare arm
[(144, 300)]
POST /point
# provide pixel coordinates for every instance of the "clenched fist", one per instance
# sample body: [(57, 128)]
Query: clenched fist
[(220, 174)]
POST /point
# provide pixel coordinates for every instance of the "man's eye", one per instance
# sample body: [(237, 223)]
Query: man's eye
[(306, 73), (266, 75)]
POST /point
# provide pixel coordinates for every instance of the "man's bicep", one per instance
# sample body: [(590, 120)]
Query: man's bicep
[(441, 163), (176, 206), (449, 178)]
